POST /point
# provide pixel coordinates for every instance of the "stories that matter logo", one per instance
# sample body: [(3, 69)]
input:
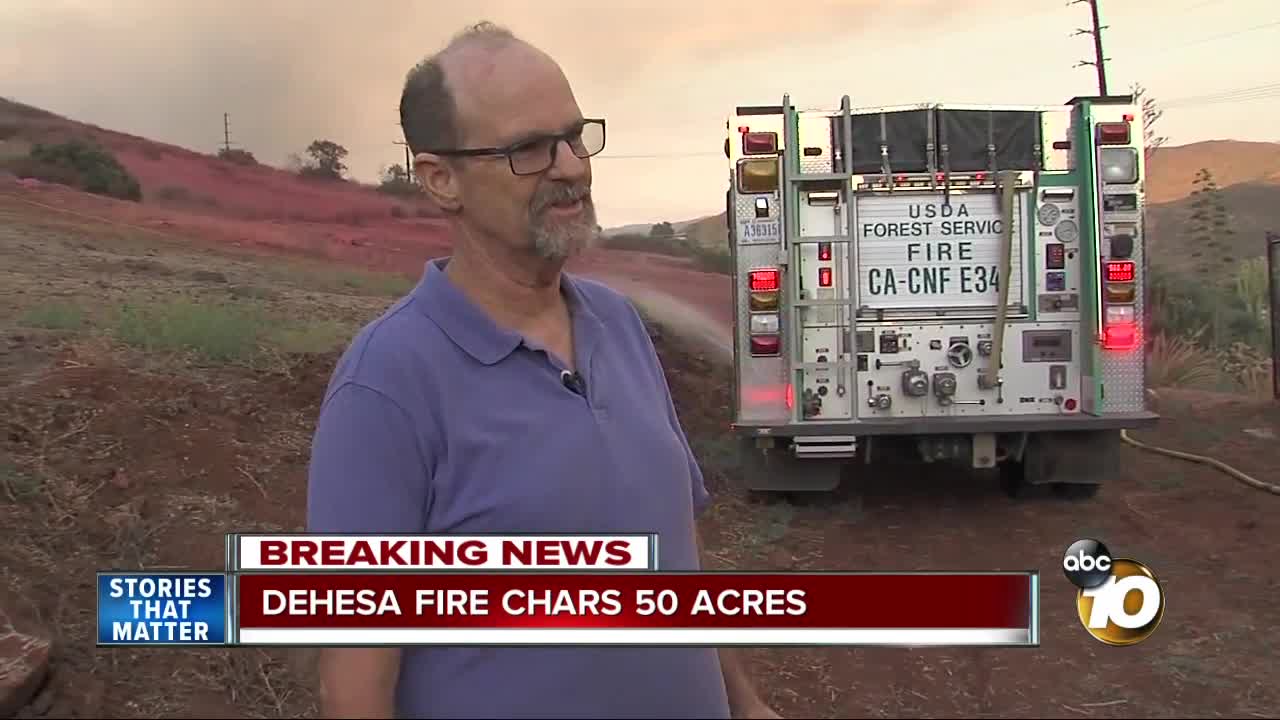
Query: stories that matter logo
[(1119, 600)]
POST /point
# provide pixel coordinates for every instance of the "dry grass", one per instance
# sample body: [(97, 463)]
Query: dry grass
[(1249, 370), (54, 316), (1181, 362)]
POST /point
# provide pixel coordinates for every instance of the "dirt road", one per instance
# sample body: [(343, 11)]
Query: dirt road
[(677, 315)]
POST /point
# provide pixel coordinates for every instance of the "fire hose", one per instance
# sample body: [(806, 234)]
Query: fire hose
[(1008, 185), (1204, 460)]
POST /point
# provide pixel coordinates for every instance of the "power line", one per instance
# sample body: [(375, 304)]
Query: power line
[(1238, 93), (1196, 6), (1229, 99), (1211, 38)]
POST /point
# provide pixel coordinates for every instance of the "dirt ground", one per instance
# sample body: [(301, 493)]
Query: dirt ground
[(119, 456)]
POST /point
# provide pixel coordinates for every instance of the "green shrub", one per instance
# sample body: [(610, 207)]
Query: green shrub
[(79, 164), (237, 156)]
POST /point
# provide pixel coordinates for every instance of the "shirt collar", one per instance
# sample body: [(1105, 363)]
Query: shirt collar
[(471, 328)]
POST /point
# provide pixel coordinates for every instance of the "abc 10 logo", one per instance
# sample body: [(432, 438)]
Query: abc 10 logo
[(1119, 601)]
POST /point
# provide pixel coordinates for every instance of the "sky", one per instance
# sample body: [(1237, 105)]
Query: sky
[(665, 73)]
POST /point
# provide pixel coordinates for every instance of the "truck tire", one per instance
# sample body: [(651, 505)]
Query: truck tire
[(775, 469), (1072, 465)]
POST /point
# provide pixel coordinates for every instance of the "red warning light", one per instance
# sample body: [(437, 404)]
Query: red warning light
[(824, 252), (1120, 271), (824, 277), (763, 280), (1121, 336), (1113, 133), (759, 143)]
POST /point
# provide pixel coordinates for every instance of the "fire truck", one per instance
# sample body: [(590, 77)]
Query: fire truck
[(963, 284)]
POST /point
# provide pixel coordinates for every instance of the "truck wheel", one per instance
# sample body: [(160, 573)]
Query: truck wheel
[(1070, 464), (776, 470)]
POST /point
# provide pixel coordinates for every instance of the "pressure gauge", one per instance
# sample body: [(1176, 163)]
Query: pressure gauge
[(1049, 214), (1067, 231)]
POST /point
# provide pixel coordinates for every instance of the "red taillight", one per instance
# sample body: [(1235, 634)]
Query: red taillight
[(1121, 336), (763, 280), (824, 277), (744, 129), (766, 344), (824, 251), (1113, 133), (759, 143), (1128, 117), (791, 396), (980, 176), (1070, 404), (1120, 271)]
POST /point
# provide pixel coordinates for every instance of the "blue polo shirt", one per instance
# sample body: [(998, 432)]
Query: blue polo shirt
[(437, 420)]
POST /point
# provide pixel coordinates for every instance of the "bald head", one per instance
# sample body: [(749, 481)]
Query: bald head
[(525, 184), (442, 90)]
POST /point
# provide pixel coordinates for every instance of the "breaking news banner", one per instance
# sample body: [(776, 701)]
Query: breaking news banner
[(512, 590), (136, 608), (651, 608), (454, 553)]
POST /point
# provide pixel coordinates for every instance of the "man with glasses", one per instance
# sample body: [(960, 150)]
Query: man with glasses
[(503, 395)]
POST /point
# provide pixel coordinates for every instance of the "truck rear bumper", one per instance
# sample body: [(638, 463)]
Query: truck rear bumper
[(945, 426)]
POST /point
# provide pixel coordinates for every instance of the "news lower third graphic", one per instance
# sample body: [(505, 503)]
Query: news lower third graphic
[(1119, 600), (160, 609)]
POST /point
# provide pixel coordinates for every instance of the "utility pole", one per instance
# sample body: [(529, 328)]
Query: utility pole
[(408, 161), (1099, 61), (1273, 282), (408, 158)]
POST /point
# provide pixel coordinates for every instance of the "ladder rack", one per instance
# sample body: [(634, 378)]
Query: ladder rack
[(794, 182)]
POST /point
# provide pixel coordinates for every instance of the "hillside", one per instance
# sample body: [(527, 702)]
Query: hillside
[(1253, 209), (195, 198), (190, 181), (1232, 162)]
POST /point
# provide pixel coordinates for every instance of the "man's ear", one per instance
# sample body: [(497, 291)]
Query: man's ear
[(440, 181)]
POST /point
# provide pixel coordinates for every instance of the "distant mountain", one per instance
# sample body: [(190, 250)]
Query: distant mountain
[(1232, 162), (644, 228)]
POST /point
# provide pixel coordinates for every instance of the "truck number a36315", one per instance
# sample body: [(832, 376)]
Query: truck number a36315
[(768, 231)]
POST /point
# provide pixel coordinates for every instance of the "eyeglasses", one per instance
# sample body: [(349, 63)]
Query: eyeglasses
[(535, 155)]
